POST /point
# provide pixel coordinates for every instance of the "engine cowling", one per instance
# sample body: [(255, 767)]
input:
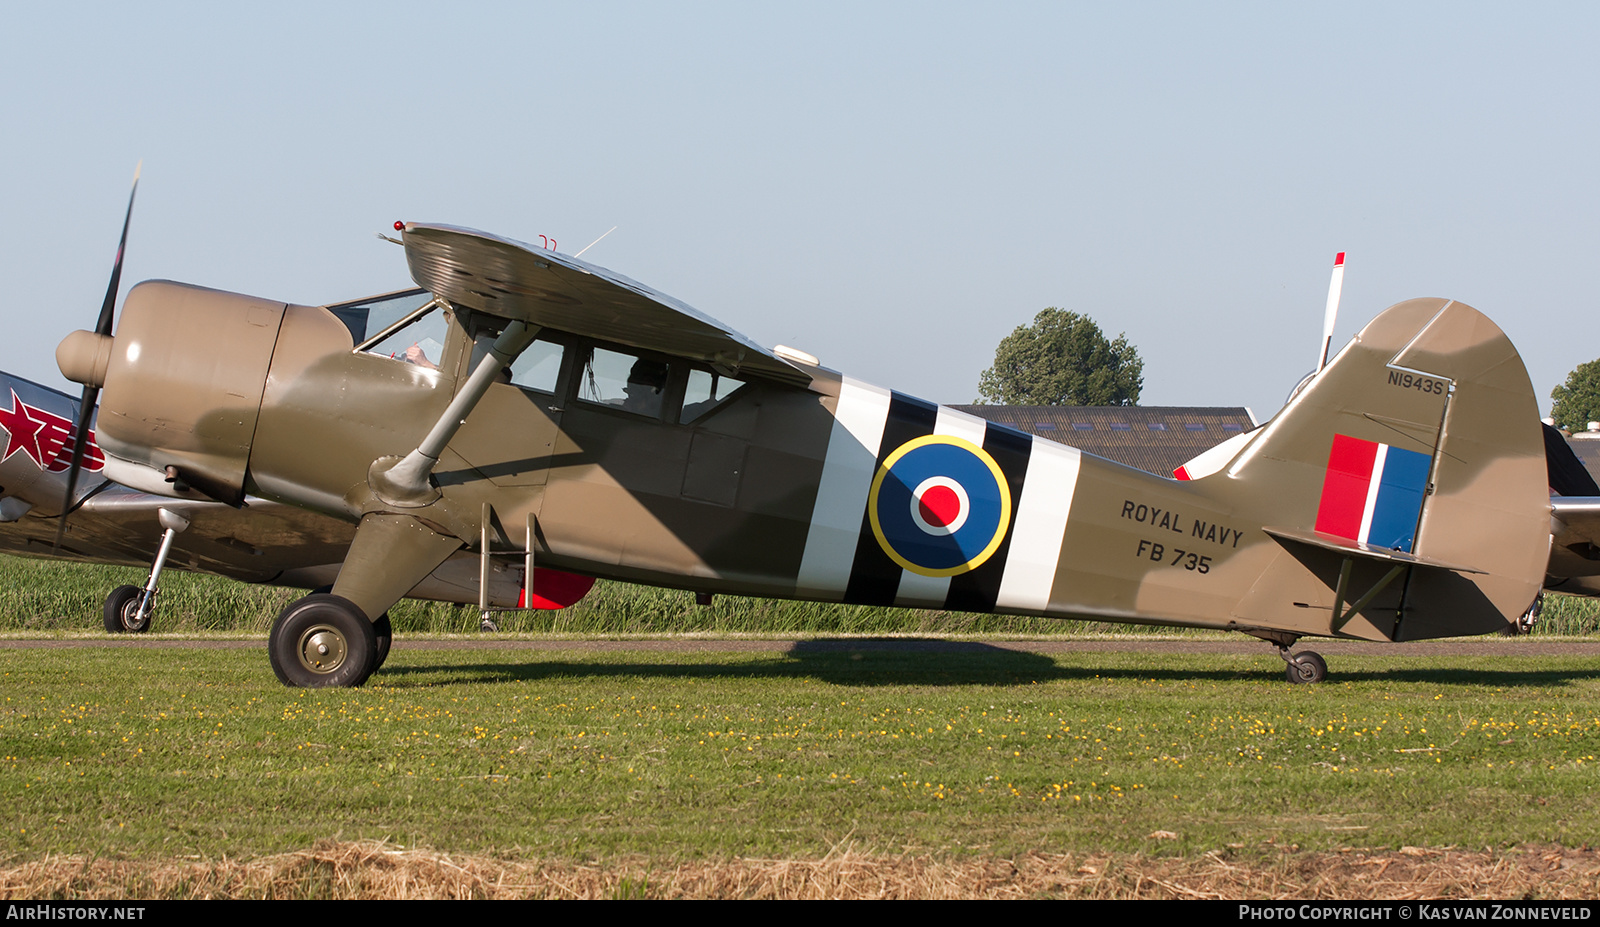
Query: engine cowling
[(182, 385)]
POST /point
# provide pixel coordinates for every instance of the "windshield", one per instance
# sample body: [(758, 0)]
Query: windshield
[(369, 317), (406, 326)]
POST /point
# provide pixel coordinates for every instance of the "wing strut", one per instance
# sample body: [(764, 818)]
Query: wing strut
[(405, 484)]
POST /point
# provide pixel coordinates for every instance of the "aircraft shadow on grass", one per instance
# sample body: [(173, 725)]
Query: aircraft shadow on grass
[(933, 662)]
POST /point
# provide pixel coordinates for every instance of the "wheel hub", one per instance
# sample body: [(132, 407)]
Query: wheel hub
[(322, 649), (133, 618)]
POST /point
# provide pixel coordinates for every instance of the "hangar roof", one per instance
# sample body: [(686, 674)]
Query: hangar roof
[(1157, 439)]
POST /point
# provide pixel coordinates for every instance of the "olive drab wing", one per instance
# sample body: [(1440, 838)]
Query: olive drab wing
[(525, 407)]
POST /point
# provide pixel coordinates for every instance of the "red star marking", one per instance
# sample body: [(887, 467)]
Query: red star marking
[(45, 437), (22, 431)]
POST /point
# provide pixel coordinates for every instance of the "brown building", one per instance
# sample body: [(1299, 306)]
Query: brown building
[(1156, 439)]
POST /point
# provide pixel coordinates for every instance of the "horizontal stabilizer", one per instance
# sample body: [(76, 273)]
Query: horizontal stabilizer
[(1358, 549), (517, 281), (1579, 518)]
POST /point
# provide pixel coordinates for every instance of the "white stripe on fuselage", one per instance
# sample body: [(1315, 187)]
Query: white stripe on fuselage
[(1041, 525), (847, 472)]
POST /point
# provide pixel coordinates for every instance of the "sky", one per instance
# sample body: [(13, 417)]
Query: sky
[(891, 187)]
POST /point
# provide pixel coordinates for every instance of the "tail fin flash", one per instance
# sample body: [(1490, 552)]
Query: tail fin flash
[(1417, 455)]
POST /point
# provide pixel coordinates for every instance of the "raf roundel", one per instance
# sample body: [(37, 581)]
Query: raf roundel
[(939, 505)]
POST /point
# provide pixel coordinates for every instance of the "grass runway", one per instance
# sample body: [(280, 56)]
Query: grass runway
[(582, 755), (923, 772)]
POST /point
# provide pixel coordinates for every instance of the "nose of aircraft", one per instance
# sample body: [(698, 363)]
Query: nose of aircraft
[(84, 356)]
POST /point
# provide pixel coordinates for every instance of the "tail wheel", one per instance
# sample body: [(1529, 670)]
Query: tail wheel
[(122, 613), (322, 641), (1307, 667), (1525, 624)]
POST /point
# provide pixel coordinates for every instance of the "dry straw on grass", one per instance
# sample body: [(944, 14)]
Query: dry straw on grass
[(379, 870)]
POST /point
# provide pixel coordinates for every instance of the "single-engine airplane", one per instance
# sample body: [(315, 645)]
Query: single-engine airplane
[(526, 404)]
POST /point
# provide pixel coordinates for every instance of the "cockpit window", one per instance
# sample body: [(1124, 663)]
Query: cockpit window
[(626, 381), (367, 318), (539, 367), (706, 391)]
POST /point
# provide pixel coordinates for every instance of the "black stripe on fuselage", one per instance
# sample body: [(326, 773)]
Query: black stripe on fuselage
[(874, 578), (976, 590)]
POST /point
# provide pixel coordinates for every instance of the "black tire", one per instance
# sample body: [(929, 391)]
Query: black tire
[(322, 641), (384, 634), (1308, 667), (121, 611)]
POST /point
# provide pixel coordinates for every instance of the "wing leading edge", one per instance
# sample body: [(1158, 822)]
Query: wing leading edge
[(517, 281)]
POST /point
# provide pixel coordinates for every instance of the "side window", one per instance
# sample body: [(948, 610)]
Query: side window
[(624, 381), (418, 339), (539, 367), (706, 391)]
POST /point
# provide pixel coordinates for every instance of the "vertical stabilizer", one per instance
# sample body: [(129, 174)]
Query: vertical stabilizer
[(1417, 452)]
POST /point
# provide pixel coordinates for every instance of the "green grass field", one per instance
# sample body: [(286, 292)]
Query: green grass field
[(575, 754), (188, 751)]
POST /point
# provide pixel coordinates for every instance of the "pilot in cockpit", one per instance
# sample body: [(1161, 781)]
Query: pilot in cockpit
[(416, 355), (647, 383)]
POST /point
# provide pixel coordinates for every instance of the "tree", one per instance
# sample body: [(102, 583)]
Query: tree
[(1577, 403), (1062, 359)]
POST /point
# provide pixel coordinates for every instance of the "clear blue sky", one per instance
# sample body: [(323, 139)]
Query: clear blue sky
[(892, 187)]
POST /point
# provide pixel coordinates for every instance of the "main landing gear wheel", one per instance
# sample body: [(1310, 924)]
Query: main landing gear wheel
[(1306, 667), (322, 641), (122, 613), (381, 629)]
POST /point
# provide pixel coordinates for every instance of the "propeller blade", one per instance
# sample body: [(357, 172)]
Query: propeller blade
[(108, 308), (86, 404), (1335, 287), (91, 394)]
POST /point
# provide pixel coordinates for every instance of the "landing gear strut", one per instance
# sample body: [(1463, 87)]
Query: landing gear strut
[(1525, 624), (129, 609)]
